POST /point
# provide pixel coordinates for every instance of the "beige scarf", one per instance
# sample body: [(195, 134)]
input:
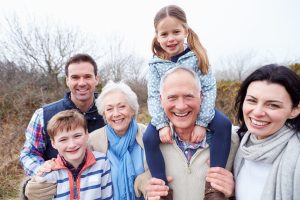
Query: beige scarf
[(282, 150)]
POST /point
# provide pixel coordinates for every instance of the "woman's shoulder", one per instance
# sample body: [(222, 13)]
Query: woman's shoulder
[(98, 140), (139, 135)]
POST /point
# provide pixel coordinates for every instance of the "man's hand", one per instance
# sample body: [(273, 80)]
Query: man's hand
[(47, 166), (198, 134), (221, 179), (165, 135), (39, 189), (157, 188)]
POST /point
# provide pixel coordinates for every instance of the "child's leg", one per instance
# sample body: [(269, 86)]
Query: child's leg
[(154, 156), (221, 140)]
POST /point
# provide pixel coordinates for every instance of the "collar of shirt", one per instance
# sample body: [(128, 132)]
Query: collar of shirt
[(175, 58), (73, 170), (188, 149)]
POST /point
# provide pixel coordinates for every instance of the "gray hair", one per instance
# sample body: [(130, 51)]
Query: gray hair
[(120, 87), (175, 69)]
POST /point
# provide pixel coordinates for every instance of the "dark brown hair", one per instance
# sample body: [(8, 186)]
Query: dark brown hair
[(80, 58), (272, 74)]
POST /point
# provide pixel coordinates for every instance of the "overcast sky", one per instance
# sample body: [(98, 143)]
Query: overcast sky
[(267, 29)]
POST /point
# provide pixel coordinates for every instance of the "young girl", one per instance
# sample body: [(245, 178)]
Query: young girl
[(170, 50)]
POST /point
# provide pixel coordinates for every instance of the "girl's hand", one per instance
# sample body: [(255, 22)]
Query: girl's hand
[(165, 135), (198, 134)]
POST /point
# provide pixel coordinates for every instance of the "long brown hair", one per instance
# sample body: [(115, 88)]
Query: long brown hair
[(192, 39)]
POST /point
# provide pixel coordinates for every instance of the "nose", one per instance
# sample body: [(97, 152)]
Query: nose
[(116, 112), (170, 38), (81, 81), (71, 143), (258, 110), (180, 104)]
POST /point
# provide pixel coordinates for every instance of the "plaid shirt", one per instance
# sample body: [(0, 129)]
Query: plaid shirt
[(188, 149), (31, 157)]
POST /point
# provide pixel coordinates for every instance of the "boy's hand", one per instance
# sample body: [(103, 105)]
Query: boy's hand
[(198, 134), (165, 135)]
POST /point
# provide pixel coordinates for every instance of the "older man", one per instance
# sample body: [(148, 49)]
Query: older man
[(186, 163)]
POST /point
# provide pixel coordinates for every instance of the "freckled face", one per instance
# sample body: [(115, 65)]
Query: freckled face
[(266, 108)]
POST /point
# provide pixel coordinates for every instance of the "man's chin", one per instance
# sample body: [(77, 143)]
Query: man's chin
[(181, 125), (83, 98)]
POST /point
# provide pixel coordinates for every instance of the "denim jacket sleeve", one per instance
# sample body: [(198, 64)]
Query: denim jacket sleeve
[(207, 108), (159, 118)]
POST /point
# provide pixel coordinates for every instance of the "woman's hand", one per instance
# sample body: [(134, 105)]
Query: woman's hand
[(221, 179)]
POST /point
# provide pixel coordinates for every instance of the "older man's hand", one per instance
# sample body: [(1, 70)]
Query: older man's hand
[(157, 188), (222, 180)]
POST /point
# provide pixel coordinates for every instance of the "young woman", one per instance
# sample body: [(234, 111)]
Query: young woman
[(267, 164)]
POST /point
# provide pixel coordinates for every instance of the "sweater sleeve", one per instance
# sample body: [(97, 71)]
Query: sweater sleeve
[(159, 118), (207, 108)]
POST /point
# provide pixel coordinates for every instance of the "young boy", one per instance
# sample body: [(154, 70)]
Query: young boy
[(79, 172)]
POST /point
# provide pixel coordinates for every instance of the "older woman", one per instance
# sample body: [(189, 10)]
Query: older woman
[(121, 138), (267, 164)]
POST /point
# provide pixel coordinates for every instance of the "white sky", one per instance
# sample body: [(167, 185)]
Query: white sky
[(269, 29)]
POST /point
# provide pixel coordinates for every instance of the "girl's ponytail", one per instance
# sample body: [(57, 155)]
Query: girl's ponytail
[(199, 50)]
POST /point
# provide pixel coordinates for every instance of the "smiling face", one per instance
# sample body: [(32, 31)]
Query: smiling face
[(82, 83), (71, 145), (171, 35), (117, 112), (266, 108), (181, 100)]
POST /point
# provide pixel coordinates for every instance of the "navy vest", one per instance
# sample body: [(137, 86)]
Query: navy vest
[(93, 119)]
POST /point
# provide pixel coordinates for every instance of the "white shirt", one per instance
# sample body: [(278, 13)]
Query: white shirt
[(251, 180)]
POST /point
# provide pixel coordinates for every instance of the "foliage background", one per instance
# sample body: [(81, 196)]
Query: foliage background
[(23, 91)]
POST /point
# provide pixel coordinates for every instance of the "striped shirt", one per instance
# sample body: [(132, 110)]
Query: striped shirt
[(93, 181)]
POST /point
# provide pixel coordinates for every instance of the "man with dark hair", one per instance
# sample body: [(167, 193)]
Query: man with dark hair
[(81, 79)]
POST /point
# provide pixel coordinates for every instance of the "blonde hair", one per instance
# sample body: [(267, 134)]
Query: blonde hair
[(192, 39), (65, 121)]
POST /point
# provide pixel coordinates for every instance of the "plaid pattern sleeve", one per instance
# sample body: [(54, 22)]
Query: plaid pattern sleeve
[(34, 146)]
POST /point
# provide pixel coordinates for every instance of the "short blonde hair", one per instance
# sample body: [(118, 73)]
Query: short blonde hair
[(65, 121)]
